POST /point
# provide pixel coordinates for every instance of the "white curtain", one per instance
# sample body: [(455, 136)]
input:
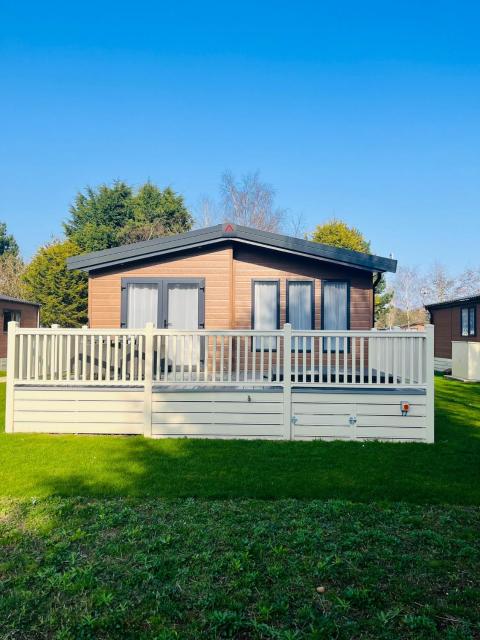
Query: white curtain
[(265, 311), (183, 315), (464, 322), (142, 305), (300, 308), (335, 311), (182, 306)]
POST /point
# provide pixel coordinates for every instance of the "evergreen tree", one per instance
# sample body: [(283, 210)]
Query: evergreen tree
[(62, 293), (108, 216), (8, 244)]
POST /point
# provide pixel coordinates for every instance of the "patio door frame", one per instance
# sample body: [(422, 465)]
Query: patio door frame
[(162, 306)]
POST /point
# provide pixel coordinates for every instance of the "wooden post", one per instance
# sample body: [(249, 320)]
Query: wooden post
[(430, 382), (11, 362), (287, 381), (148, 380)]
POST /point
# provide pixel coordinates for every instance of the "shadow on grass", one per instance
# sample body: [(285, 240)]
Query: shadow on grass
[(447, 472)]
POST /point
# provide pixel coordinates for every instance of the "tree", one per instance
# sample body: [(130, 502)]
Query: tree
[(98, 214), (439, 285), (337, 233), (62, 293), (156, 213), (407, 291), (107, 216), (383, 303), (250, 202), (11, 272), (8, 244)]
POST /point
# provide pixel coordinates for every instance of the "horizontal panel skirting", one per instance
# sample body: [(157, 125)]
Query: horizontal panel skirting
[(99, 417), (218, 407), (392, 422), (303, 408), (80, 405), (78, 393), (116, 428), (217, 429), (226, 396), (210, 417)]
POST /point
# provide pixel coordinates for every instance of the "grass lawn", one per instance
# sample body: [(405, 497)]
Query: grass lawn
[(73, 568), (97, 466), (3, 374), (182, 539)]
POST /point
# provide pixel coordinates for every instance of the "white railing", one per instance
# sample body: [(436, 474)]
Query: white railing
[(105, 357), (86, 356)]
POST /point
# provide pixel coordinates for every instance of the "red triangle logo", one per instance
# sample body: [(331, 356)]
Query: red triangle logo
[(228, 228)]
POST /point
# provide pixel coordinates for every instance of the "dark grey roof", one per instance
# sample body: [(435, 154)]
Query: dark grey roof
[(220, 233), (18, 300), (453, 303)]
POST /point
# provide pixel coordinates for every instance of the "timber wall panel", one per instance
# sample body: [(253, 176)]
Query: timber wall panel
[(233, 414), (228, 273), (447, 323), (256, 264), (78, 410), (214, 265), (326, 416), (28, 318)]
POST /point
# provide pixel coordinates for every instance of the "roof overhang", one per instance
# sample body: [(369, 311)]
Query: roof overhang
[(161, 247), (453, 303)]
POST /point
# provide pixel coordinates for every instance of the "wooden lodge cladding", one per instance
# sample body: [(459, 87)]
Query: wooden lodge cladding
[(228, 271), (22, 311), (447, 318)]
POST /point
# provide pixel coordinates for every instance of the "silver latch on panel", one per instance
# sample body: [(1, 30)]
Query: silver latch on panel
[(352, 420), (294, 419)]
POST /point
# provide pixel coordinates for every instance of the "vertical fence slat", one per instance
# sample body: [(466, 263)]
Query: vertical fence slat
[(222, 355), (29, 357), (295, 358), (337, 358), (20, 357), (245, 368), (362, 360), (269, 376), (238, 351), (262, 356)]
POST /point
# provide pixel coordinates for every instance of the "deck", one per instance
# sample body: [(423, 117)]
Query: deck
[(223, 384)]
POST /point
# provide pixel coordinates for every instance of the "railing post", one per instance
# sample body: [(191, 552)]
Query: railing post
[(11, 364), (148, 381), (430, 382), (287, 381)]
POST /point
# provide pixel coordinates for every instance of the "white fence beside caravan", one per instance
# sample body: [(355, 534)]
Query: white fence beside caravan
[(231, 384)]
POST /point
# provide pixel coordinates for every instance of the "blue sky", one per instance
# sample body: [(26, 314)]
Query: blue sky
[(369, 111)]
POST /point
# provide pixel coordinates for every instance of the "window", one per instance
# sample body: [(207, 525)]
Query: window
[(468, 324), (300, 308), (335, 310), (176, 303), (265, 310), (10, 316), (142, 304)]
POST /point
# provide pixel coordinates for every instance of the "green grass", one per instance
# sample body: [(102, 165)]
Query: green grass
[(150, 552), (97, 466), (74, 568), (3, 374)]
